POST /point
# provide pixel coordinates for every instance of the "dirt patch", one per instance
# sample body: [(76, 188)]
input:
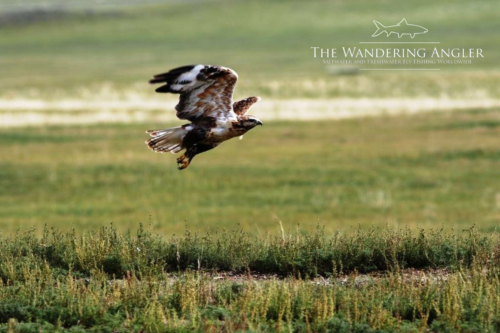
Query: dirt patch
[(412, 276)]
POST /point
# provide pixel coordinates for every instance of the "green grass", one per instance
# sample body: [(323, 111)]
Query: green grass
[(267, 42), (431, 169), (397, 196), (105, 281)]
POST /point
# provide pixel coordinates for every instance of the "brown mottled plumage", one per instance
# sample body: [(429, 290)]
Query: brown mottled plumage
[(242, 107), (206, 101)]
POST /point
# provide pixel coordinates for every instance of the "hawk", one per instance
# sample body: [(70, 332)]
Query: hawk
[(206, 101)]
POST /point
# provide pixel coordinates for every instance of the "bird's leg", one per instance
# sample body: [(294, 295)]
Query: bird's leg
[(182, 162), (191, 152)]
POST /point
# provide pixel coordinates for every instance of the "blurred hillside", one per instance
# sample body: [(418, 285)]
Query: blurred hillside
[(59, 48)]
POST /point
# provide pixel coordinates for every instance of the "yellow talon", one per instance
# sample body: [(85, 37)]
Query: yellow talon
[(182, 162)]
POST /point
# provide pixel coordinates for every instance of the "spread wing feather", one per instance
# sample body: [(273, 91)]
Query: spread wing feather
[(205, 91), (242, 107)]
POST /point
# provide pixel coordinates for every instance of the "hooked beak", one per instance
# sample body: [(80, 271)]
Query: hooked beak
[(259, 123)]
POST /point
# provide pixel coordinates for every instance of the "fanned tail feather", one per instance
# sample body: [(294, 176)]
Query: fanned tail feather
[(167, 140)]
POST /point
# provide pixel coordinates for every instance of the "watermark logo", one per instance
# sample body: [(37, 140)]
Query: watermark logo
[(400, 55), (400, 29)]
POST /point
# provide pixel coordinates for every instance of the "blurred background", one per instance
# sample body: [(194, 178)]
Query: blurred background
[(340, 147)]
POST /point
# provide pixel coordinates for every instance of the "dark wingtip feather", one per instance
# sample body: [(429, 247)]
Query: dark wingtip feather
[(163, 89), (153, 81), (170, 75), (174, 72)]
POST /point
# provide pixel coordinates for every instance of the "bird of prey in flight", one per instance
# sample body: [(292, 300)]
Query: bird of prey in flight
[(206, 101)]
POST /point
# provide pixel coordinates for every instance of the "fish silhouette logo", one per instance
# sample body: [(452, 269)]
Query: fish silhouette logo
[(400, 29)]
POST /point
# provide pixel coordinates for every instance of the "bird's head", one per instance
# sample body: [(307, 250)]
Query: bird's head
[(248, 122)]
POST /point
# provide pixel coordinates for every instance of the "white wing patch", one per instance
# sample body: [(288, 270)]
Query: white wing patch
[(188, 81)]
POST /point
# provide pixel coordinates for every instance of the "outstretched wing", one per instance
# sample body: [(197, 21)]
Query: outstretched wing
[(242, 107), (206, 91)]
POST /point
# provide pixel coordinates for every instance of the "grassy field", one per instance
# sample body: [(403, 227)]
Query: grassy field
[(71, 50), (355, 225), (371, 280), (427, 170)]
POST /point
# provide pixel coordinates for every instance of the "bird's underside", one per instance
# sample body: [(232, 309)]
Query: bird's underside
[(206, 101)]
